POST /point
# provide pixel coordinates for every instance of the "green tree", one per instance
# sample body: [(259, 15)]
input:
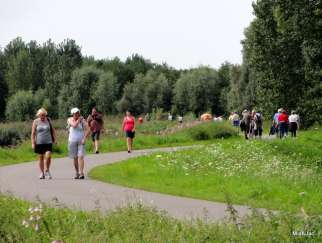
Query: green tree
[(198, 91), (82, 88), (106, 93), (133, 98)]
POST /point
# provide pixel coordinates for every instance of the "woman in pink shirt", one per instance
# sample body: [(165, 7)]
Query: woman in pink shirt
[(129, 129)]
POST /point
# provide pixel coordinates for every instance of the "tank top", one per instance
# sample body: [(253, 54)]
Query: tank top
[(43, 134), (76, 134)]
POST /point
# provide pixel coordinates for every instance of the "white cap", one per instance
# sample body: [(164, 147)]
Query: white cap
[(74, 110)]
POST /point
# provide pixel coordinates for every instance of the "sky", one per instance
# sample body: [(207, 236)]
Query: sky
[(182, 33)]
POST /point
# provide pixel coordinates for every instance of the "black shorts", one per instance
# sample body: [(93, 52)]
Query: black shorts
[(96, 135), (43, 148), (129, 134)]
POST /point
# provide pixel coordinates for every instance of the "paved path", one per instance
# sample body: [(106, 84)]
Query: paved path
[(22, 181)]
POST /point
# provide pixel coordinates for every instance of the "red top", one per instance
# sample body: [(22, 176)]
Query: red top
[(283, 117), (128, 123)]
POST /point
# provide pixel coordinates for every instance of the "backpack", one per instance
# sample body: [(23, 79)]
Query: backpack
[(259, 118)]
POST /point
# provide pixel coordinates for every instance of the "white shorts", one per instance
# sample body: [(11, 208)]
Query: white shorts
[(76, 149)]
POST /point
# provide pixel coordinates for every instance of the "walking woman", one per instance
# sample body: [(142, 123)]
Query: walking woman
[(43, 136), (129, 129), (95, 123), (294, 121), (282, 123), (78, 132)]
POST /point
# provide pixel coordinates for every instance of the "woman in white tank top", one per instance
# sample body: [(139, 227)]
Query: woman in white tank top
[(78, 132)]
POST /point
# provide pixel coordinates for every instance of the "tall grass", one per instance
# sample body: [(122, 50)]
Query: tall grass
[(136, 223)]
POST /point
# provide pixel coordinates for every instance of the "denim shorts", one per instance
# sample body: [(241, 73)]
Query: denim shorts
[(76, 149)]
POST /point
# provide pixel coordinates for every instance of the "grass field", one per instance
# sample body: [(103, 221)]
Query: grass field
[(275, 174), (24, 222)]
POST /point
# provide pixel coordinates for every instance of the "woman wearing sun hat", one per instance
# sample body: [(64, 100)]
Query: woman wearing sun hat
[(42, 138), (78, 132)]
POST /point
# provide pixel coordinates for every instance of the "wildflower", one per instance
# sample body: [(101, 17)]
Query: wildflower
[(25, 223), (159, 156), (302, 193)]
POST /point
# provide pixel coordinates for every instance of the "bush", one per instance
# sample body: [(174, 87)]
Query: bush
[(21, 106), (211, 130), (13, 134)]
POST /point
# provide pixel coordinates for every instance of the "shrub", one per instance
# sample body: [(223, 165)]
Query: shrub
[(211, 130), (13, 134), (21, 106)]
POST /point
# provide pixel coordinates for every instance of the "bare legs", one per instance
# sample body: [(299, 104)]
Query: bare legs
[(129, 144), (79, 166), (96, 145), (44, 163)]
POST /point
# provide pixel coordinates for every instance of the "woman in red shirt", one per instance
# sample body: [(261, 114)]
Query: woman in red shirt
[(283, 123), (129, 129)]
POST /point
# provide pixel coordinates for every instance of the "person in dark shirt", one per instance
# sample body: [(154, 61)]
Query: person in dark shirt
[(95, 122)]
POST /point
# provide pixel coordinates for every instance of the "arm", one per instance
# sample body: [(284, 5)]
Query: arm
[(54, 135), (33, 135), (86, 131), (133, 130), (74, 123)]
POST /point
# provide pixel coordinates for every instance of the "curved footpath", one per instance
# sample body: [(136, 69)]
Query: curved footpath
[(22, 181)]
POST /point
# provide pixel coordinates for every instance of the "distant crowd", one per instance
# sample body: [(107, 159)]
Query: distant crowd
[(252, 123)]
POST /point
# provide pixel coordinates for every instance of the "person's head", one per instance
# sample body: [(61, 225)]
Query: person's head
[(128, 113), (75, 112), (293, 112), (42, 113), (280, 110), (94, 111)]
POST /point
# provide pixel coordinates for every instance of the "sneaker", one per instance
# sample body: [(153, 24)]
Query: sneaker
[(42, 176), (47, 173), (97, 152), (82, 177), (129, 151), (76, 176)]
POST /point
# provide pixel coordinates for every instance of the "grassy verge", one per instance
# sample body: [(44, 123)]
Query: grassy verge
[(275, 174), (139, 224), (149, 135)]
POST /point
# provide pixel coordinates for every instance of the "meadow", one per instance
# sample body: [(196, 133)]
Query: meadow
[(276, 174)]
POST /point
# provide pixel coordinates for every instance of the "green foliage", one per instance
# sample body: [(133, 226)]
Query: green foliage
[(282, 52), (106, 93), (198, 90), (137, 223), (133, 98), (21, 106), (212, 130), (80, 92), (3, 87), (11, 135)]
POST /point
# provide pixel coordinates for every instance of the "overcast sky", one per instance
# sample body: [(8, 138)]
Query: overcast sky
[(183, 33)]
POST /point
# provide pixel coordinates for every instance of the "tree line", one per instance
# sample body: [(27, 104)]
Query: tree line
[(282, 59)]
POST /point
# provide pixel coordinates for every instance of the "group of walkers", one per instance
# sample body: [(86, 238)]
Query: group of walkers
[(252, 123), (43, 136), (283, 123)]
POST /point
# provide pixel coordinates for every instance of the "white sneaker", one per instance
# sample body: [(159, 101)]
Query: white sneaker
[(47, 173), (42, 176)]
